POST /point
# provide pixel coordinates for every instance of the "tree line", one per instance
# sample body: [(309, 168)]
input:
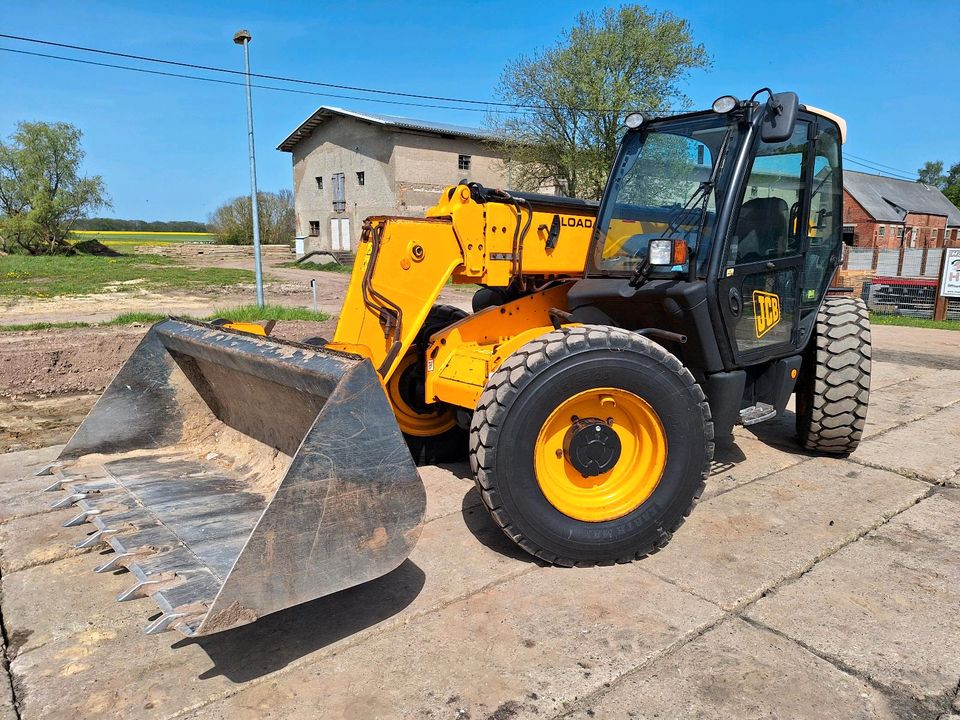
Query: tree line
[(946, 182), (118, 225)]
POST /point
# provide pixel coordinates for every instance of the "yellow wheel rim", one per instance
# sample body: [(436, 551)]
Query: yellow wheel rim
[(625, 485), (412, 421)]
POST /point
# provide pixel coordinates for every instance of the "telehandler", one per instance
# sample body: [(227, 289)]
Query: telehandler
[(610, 345)]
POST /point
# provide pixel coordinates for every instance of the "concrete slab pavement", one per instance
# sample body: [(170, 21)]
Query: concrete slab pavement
[(799, 587), (885, 607), (739, 671)]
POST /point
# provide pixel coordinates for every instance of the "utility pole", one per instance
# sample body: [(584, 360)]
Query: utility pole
[(243, 37)]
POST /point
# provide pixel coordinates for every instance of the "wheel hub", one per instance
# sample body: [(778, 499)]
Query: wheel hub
[(591, 446)]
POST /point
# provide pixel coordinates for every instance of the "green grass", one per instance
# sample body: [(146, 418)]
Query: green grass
[(128, 239), (252, 313), (42, 326), (878, 319), (243, 313), (43, 276), (325, 267)]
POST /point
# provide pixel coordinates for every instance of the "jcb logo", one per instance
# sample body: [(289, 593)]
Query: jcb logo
[(766, 311)]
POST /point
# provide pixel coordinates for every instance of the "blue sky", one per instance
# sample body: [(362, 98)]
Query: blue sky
[(175, 149)]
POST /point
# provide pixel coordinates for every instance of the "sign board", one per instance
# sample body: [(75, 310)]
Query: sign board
[(950, 282)]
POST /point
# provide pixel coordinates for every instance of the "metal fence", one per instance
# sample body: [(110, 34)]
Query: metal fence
[(901, 282)]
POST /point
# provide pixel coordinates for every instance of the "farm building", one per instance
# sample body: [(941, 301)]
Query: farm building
[(885, 213), (350, 165)]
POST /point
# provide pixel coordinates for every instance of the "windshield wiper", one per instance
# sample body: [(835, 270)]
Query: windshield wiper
[(698, 199)]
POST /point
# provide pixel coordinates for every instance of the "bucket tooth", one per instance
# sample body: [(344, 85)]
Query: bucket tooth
[(96, 538), (116, 561), (69, 500), (163, 623), (57, 485), (140, 590), (49, 469), (83, 517)]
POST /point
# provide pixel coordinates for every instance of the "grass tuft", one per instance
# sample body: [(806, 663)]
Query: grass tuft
[(313, 267), (252, 313), (130, 318), (22, 327)]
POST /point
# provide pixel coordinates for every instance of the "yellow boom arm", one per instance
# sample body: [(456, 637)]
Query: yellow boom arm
[(403, 264)]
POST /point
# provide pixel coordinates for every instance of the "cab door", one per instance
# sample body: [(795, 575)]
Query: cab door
[(762, 269)]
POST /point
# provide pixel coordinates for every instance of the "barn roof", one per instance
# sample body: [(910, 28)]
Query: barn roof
[(325, 112), (889, 200)]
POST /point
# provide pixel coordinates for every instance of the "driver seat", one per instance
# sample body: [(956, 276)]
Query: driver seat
[(762, 229)]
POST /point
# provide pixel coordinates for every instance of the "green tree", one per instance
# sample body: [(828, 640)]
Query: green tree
[(232, 222), (932, 174), (42, 193), (608, 64)]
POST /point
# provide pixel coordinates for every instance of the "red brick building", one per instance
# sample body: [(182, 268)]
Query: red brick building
[(882, 212)]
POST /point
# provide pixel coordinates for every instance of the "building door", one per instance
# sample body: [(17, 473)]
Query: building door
[(340, 234)]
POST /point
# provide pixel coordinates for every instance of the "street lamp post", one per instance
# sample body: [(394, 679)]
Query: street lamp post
[(243, 37)]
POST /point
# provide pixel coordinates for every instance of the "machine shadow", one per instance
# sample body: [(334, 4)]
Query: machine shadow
[(478, 521), (273, 642), (781, 433)]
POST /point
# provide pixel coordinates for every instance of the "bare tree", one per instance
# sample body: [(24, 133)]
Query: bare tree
[(232, 222)]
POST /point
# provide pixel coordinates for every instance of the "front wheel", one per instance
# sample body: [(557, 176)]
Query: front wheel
[(590, 445)]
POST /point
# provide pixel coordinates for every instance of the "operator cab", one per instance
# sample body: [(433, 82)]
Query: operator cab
[(723, 226)]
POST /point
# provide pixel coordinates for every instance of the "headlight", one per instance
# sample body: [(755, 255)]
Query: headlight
[(661, 252), (724, 104)]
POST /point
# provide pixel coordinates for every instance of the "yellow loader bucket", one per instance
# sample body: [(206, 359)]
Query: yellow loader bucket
[(235, 476)]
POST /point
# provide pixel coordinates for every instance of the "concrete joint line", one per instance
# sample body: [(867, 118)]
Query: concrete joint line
[(905, 474), (6, 661), (892, 693), (738, 612), (655, 657), (744, 603), (388, 626)]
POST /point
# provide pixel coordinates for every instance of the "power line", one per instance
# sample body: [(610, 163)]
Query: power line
[(879, 164), (353, 88), (878, 170), (234, 82)]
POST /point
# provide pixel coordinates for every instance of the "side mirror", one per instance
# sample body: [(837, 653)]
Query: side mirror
[(780, 115)]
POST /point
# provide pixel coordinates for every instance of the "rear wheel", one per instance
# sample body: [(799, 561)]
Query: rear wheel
[(590, 445), (834, 390), (431, 430)]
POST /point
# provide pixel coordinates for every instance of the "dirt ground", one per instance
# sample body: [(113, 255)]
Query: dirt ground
[(800, 587), (49, 379), (283, 286)]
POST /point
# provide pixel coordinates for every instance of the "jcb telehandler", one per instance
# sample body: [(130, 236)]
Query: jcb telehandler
[(610, 344)]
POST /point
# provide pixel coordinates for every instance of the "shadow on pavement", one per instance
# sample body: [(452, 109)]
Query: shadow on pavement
[(487, 532), (276, 640)]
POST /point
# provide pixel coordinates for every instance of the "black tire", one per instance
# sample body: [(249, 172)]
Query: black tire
[(534, 381), (834, 391), (451, 445), (315, 341)]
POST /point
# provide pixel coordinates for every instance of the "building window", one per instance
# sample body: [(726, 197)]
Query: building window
[(339, 193), (319, 183), (900, 233), (849, 234), (361, 178), (881, 230), (314, 228), (463, 162), (933, 234)]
